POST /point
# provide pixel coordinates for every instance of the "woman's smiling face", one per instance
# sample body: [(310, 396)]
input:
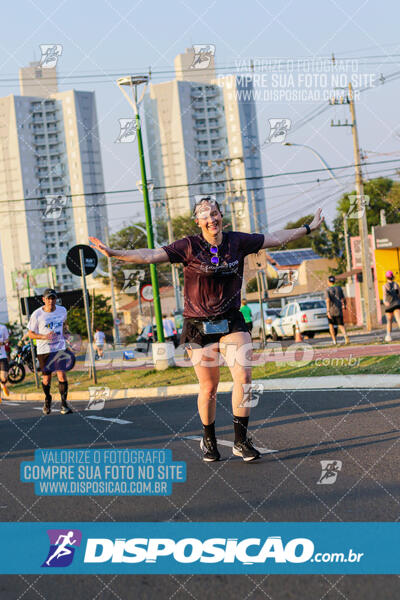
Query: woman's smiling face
[(209, 218)]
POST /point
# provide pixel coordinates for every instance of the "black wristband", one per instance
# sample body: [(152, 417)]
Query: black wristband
[(308, 230)]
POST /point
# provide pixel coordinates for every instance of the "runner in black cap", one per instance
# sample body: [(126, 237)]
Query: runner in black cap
[(47, 325), (213, 273)]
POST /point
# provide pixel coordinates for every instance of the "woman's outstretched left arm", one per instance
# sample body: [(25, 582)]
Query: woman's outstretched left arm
[(278, 238)]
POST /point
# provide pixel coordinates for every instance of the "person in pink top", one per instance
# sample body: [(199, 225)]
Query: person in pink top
[(391, 301)]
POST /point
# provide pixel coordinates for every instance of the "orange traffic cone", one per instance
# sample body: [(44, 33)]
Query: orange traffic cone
[(298, 337)]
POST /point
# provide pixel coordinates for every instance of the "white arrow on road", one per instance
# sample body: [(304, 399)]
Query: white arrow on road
[(198, 438)]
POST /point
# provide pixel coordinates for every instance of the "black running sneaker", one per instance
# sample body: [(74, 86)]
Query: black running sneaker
[(246, 450), (210, 450), (46, 408), (65, 409)]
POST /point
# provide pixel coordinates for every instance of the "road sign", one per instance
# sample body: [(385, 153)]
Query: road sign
[(147, 293), (89, 257)]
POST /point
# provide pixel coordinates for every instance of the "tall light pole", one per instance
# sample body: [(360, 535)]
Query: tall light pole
[(320, 158), (133, 82)]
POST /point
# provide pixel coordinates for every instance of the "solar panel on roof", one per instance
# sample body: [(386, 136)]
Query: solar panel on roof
[(293, 257)]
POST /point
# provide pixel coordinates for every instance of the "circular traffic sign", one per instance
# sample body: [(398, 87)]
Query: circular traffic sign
[(147, 293), (89, 259)]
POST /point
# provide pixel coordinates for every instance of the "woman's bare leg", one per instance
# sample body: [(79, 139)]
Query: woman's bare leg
[(205, 363)]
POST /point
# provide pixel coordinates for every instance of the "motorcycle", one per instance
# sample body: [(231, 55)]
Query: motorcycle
[(16, 366)]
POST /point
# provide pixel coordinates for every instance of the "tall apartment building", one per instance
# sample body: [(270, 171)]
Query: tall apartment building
[(203, 139), (49, 146)]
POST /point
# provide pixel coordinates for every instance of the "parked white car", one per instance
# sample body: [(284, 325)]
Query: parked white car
[(309, 315)]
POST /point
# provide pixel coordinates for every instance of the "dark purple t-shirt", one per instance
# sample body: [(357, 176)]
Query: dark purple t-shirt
[(211, 290)]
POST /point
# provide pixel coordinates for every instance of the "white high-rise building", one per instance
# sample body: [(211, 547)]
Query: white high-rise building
[(51, 177), (203, 139)]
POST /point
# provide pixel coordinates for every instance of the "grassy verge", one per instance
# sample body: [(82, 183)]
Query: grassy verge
[(374, 365)]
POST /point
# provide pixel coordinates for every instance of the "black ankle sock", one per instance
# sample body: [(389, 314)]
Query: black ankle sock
[(209, 430), (240, 426), (63, 387), (46, 389)]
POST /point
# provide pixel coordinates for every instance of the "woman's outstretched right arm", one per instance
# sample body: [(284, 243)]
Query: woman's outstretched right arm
[(140, 256)]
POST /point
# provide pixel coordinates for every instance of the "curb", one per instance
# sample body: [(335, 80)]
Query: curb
[(294, 383)]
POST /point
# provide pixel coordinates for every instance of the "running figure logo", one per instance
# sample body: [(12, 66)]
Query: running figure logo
[(127, 131), (50, 54), (251, 394), (132, 277), (63, 543), (286, 281), (202, 55), (330, 470), (358, 205), (54, 206), (98, 397), (278, 130)]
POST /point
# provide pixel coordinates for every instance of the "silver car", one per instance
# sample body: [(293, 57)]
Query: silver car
[(269, 315)]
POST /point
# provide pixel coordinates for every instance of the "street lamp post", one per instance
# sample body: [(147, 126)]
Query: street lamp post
[(322, 160), (133, 82)]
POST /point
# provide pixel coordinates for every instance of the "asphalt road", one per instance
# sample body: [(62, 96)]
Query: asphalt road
[(359, 428)]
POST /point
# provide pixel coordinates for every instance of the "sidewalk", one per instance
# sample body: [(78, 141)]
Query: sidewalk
[(274, 352), (331, 382)]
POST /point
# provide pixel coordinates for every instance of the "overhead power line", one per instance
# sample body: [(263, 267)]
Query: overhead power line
[(202, 183)]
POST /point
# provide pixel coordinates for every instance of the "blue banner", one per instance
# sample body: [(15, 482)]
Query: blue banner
[(213, 548)]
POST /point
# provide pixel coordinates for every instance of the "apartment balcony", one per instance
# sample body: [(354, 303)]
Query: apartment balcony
[(216, 135), (196, 94), (201, 137)]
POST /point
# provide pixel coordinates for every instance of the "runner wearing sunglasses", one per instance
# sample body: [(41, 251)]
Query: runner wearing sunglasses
[(213, 324)]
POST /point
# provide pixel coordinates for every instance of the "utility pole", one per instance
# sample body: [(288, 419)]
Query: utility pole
[(347, 247), (254, 209), (230, 195), (117, 340), (368, 290), (175, 273)]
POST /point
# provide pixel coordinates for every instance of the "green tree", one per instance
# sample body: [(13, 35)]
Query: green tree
[(303, 242), (184, 225), (102, 317), (15, 332), (382, 193)]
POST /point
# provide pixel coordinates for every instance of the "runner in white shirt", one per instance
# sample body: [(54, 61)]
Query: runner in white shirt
[(3, 360), (47, 325), (99, 339)]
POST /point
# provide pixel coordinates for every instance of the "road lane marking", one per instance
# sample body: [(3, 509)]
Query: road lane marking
[(118, 421), (198, 438)]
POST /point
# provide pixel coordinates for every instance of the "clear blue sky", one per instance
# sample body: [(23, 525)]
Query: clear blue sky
[(122, 36)]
